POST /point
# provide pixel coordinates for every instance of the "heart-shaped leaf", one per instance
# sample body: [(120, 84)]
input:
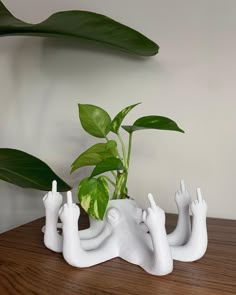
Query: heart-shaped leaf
[(153, 122), (109, 164), (95, 154), (93, 195), (83, 25), (94, 120), (116, 122), (111, 147), (26, 171)]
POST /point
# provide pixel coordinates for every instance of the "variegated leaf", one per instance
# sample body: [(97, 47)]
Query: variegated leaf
[(93, 194)]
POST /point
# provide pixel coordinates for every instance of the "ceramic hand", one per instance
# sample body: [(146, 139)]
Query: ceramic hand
[(199, 206), (53, 199), (180, 235), (182, 197), (154, 215), (69, 212)]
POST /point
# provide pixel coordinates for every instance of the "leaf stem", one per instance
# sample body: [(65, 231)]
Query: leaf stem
[(124, 190), (123, 150), (112, 172), (108, 179), (129, 148)]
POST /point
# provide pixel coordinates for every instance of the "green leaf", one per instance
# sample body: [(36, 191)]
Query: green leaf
[(116, 122), (153, 122), (93, 195), (94, 120), (111, 147), (95, 154), (109, 164), (85, 26), (26, 171)]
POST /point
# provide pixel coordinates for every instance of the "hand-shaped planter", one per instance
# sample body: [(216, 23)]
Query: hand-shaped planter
[(135, 235)]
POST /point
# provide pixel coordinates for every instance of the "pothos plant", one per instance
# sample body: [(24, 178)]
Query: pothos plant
[(110, 158), (21, 168), (27, 171)]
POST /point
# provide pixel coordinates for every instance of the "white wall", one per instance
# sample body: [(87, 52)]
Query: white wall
[(191, 80)]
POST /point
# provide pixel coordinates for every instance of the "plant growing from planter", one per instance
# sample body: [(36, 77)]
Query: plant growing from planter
[(111, 155), (118, 227)]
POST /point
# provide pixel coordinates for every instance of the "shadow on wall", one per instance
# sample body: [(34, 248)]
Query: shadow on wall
[(46, 78), (50, 76)]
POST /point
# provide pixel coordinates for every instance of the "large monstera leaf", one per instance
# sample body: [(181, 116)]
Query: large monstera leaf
[(26, 171), (84, 26)]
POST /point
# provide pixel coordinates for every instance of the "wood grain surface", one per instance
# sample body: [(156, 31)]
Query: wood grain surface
[(27, 267)]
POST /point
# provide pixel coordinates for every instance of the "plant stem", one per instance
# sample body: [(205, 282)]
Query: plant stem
[(123, 150), (115, 194), (124, 190), (129, 148), (121, 179), (108, 179), (119, 188), (116, 190)]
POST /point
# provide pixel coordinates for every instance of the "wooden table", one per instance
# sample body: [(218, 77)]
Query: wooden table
[(27, 267)]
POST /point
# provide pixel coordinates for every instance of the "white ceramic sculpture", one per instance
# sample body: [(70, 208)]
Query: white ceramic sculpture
[(135, 235)]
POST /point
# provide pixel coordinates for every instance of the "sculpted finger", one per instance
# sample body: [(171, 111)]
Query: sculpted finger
[(199, 195), (54, 186), (45, 197), (151, 201), (149, 211), (144, 216), (182, 186), (69, 198), (177, 194), (49, 194), (61, 210)]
